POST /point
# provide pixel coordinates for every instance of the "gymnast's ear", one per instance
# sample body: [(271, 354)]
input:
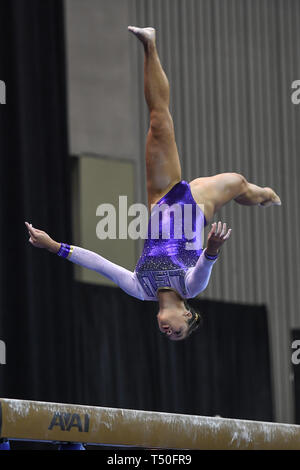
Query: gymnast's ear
[(194, 321), (188, 313)]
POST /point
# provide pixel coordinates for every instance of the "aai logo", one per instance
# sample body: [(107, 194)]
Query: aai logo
[(68, 421)]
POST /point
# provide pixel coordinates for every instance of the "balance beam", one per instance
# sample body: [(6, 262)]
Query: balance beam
[(55, 422)]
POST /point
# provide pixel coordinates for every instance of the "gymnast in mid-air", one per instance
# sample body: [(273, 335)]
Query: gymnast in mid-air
[(172, 268)]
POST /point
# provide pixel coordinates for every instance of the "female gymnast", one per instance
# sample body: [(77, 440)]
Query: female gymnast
[(171, 269)]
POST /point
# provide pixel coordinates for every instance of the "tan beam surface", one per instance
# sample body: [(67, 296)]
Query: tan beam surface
[(30, 420)]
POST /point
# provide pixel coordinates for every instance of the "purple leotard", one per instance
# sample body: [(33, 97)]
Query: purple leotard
[(164, 259)]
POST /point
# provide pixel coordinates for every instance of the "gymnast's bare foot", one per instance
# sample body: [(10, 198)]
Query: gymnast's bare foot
[(272, 200), (146, 35)]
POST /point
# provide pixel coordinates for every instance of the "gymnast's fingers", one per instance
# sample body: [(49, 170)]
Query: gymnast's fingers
[(31, 230), (219, 228), (223, 230), (213, 229), (227, 234), (29, 226)]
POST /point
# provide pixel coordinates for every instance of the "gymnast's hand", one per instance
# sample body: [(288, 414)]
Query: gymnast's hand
[(41, 239), (216, 237)]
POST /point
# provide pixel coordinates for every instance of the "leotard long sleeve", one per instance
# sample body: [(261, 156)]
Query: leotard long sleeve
[(124, 278), (195, 279)]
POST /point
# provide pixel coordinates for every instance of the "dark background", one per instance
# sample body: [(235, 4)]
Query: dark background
[(78, 343)]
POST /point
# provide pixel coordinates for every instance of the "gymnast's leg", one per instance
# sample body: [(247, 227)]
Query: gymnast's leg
[(216, 191), (162, 159)]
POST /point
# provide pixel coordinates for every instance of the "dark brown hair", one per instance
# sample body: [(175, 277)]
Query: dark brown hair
[(194, 322)]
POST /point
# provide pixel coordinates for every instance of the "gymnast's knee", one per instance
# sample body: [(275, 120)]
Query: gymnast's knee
[(239, 178), (240, 184)]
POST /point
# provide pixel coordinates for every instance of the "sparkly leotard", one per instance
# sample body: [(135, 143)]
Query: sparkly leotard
[(172, 258), (165, 261)]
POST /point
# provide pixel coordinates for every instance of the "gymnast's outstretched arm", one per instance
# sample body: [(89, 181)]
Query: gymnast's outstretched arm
[(124, 278), (197, 278)]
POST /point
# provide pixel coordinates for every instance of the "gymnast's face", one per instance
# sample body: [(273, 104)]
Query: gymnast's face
[(173, 323)]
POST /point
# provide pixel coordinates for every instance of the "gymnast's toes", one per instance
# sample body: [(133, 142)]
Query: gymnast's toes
[(272, 200), (146, 35)]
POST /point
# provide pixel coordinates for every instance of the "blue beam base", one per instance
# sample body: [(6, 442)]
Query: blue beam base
[(70, 446), (4, 445)]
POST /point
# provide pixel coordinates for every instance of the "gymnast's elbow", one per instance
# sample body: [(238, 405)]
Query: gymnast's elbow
[(197, 289)]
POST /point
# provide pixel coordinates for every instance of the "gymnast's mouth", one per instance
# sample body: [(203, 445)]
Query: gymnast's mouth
[(168, 332)]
